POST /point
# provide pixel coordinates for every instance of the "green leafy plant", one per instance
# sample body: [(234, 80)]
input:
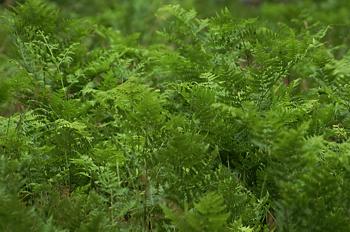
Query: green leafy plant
[(208, 120)]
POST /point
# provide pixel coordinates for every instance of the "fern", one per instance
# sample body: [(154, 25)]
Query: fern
[(207, 215), (185, 120)]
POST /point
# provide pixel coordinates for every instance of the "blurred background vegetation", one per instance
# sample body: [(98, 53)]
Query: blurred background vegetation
[(138, 16)]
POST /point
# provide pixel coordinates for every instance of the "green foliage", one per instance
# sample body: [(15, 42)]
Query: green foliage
[(176, 122), (207, 215)]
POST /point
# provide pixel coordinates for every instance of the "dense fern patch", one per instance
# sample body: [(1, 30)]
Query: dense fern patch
[(200, 122)]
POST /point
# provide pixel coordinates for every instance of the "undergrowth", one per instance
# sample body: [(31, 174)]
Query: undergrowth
[(209, 122)]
